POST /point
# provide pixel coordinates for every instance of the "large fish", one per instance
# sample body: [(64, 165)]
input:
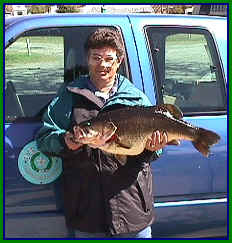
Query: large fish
[(127, 129)]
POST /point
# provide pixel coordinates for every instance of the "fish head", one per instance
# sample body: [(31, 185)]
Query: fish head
[(94, 129)]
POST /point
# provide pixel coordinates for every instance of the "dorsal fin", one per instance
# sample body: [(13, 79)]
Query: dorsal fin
[(174, 110)]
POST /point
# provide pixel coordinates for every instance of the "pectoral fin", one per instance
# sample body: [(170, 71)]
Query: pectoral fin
[(121, 144), (174, 142)]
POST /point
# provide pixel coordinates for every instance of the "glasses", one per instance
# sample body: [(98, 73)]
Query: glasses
[(109, 61)]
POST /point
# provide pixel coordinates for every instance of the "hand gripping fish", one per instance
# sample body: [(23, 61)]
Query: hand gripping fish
[(127, 129)]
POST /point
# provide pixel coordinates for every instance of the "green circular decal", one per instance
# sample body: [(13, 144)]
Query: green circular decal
[(36, 167)]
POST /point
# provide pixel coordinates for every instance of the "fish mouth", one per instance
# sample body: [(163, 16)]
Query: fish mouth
[(87, 133), (83, 132)]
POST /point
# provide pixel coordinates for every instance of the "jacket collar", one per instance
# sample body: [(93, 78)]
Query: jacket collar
[(126, 94), (87, 94)]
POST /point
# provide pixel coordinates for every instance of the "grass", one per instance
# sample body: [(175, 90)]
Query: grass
[(45, 51), (42, 71), (186, 63), (17, 59)]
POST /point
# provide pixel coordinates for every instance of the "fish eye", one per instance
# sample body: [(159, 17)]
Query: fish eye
[(88, 124)]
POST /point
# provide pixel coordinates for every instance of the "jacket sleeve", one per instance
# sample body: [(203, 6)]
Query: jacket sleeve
[(49, 139), (55, 124)]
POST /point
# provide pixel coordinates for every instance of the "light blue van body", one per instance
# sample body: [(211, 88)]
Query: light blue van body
[(190, 190)]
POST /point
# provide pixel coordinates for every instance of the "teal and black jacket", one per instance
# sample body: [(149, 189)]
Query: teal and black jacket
[(101, 192)]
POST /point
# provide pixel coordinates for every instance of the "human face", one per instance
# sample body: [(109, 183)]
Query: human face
[(103, 65)]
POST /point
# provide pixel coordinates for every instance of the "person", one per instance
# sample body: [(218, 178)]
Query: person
[(103, 196)]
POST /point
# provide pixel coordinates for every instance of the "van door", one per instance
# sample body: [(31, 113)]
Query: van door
[(189, 74), (181, 65), (34, 71), (38, 61)]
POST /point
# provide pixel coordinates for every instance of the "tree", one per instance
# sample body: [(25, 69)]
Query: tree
[(69, 8), (178, 9), (39, 9), (157, 9), (169, 9)]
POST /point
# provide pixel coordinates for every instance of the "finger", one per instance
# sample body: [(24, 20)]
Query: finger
[(75, 128), (78, 133), (68, 136), (153, 139), (69, 140), (165, 138), (157, 138)]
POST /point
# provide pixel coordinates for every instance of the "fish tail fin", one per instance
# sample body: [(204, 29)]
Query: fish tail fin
[(205, 140)]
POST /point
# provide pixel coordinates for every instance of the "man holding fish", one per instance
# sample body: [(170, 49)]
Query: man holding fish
[(107, 180)]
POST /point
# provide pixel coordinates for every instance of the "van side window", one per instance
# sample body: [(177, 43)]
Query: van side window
[(34, 70), (187, 69), (38, 63)]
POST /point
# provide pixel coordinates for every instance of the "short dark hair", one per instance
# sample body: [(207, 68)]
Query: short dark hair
[(105, 37)]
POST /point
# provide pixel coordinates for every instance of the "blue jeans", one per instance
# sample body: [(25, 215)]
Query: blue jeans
[(145, 233)]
